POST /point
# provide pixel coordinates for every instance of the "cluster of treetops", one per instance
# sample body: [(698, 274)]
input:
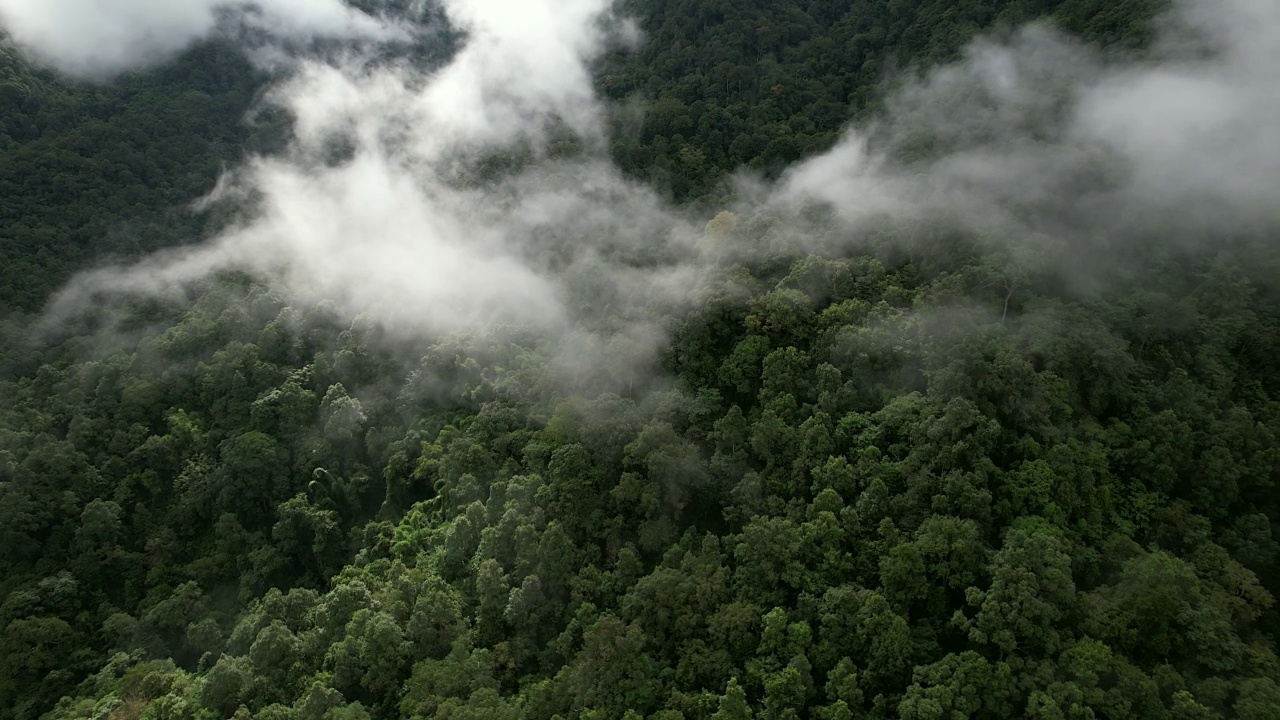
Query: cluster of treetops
[(878, 486)]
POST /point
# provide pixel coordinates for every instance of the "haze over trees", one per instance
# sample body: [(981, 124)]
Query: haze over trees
[(967, 413)]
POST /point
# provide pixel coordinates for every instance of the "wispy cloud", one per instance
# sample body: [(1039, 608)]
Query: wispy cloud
[(99, 39), (1040, 135), (1033, 143)]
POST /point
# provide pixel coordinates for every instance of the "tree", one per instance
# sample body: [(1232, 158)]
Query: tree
[(252, 476), (1031, 591), (959, 686), (612, 672), (733, 704)]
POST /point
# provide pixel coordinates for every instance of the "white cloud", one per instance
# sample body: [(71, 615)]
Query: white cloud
[(1200, 135), (388, 232), (522, 61), (1038, 135), (1034, 142), (98, 38)]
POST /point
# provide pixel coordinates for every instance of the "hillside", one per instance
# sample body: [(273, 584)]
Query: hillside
[(779, 360)]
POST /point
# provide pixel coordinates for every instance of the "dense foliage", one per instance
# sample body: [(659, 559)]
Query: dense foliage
[(732, 84), (921, 482), (92, 171)]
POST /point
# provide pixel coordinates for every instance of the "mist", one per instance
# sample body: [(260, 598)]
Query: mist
[(101, 39), (393, 228), (1036, 145), (443, 413), (1041, 135)]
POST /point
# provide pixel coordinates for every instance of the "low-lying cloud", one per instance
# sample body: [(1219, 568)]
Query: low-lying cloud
[(1200, 135), (395, 230), (1032, 143), (1038, 135), (99, 39)]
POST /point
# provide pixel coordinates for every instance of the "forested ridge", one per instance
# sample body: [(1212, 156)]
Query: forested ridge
[(761, 84), (91, 171), (935, 477)]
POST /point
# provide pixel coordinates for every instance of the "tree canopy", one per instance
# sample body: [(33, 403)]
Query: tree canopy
[(927, 480)]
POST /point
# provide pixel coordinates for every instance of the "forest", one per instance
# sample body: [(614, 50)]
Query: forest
[(987, 426)]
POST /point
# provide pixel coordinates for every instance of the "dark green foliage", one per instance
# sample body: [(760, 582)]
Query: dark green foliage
[(753, 84), (872, 486), (89, 172), (902, 543)]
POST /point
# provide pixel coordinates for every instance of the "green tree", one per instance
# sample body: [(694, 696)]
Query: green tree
[(733, 704)]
